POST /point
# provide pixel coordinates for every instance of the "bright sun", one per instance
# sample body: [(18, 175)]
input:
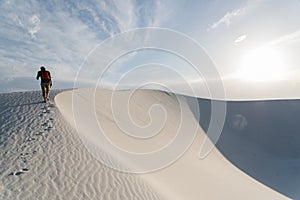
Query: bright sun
[(261, 64)]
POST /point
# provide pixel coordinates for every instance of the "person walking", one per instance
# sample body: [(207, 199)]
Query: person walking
[(46, 82)]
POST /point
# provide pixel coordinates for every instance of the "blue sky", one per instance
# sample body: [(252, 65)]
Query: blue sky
[(60, 34)]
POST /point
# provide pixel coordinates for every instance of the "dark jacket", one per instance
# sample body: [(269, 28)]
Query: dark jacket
[(39, 75)]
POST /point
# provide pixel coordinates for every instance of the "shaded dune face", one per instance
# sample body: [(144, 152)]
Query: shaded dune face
[(262, 139)]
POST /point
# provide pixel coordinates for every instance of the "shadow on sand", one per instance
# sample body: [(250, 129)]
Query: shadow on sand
[(262, 138)]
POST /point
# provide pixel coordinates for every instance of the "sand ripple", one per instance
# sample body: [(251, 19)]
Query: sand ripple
[(42, 157)]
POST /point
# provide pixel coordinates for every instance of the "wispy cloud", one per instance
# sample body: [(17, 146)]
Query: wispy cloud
[(226, 19), (34, 26), (287, 39), (60, 34), (241, 11), (240, 39)]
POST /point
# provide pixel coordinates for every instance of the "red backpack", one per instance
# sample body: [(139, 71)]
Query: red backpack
[(45, 75)]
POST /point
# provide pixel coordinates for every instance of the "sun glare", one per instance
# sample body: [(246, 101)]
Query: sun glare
[(261, 64)]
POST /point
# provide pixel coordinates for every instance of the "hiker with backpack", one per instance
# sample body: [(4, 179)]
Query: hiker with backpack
[(46, 82)]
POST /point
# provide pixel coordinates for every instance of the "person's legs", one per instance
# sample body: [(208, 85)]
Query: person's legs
[(43, 90), (47, 91)]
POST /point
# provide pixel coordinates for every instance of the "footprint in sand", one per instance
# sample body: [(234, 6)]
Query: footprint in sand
[(51, 105), (39, 134), (46, 110), (48, 128), (18, 173), (26, 156), (31, 139), (23, 157), (22, 148)]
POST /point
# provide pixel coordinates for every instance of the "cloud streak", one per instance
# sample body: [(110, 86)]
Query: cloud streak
[(286, 39), (240, 39), (226, 19)]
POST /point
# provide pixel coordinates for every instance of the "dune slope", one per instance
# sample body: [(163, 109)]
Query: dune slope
[(188, 177), (42, 157)]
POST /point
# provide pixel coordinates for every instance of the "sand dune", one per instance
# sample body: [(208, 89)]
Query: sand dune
[(214, 177), (42, 157)]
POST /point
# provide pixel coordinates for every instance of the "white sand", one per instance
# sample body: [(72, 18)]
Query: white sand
[(42, 157), (188, 178)]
